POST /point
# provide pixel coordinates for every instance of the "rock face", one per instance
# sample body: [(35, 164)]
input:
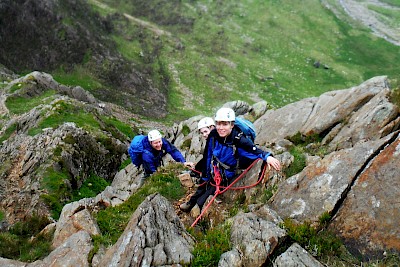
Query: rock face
[(153, 237), (368, 219), (356, 181)]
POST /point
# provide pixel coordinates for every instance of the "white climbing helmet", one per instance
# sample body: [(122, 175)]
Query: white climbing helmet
[(205, 122), (154, 135), (225, 114)]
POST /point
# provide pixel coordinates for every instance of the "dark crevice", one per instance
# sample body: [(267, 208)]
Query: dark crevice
[(367, 162)]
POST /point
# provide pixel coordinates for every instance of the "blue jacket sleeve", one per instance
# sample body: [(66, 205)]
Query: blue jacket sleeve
[(173, 151), (247, 145)]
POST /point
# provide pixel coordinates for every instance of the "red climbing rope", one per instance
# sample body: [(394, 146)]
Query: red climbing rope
[(218, 180)]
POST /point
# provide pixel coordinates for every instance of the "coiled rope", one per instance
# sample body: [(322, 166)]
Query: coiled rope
[(218, 180)]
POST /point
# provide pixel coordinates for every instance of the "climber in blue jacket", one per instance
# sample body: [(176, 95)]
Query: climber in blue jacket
[(230, 150), (149, 151)]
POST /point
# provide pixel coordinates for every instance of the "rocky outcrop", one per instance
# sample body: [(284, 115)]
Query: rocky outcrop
[(355, 182), (154, 236), (368, 218), (327, 114), (25, 160), (296, 256)]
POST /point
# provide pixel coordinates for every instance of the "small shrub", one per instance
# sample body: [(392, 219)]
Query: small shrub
[(92, 186), (268, 193), (25, 242), (211, 246), (395, 96), (186, 144), (320, 243), (299, 161), (8, 132), (185, 130)]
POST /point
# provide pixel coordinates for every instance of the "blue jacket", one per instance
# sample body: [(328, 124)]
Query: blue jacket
[(152, 158), (228, 150)]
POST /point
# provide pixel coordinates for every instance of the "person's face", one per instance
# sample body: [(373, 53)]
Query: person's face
[(156, 144), (224, 128), (205, 131)]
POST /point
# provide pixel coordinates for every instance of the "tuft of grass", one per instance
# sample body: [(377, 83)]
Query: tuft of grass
[(24, 241), (268, 193), (66, 112), (8, 132), (395, 96), (185, 130), (299, 162), (92, 186), (21, 104), (318, 243), (186, 144), (211, 245), (58, 191)]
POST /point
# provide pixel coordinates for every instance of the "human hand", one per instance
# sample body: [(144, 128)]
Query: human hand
[(274, 163), (189, 164)]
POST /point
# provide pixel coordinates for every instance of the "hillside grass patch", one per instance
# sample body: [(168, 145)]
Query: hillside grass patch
[(21, 104), (65, 112)]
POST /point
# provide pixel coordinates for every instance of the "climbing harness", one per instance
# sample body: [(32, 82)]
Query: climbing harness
[(218, 180)]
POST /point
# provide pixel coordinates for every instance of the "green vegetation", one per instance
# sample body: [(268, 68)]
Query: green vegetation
[(229, 50), (56, 184), (395, 96), (79, 76), (210, 245), (304, 145), (318, 243), (392, 2), (21, 104), (2, 216), (66, 112), (299, 161), (387, 16), (92, 186), (8, 132), (25, 242)]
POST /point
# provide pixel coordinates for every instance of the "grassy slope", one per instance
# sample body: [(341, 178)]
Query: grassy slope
[(253, 50)]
